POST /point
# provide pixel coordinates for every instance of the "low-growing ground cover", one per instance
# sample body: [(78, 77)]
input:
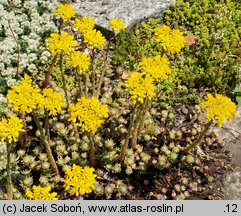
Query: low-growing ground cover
[(123, 118)]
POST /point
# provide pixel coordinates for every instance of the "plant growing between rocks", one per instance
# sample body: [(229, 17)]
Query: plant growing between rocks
[(95, 128)]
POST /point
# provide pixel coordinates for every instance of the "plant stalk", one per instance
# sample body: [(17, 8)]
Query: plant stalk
[(92, 150), (46, 121), (199, 139), (143, 116), (138, 124), (103, 71), (47, 146), (64, 80), (9, 175), (49, 72), (125, 145)]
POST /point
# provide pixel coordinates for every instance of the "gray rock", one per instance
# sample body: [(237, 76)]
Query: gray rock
[(232, 137), (232, 185), (127, 10)]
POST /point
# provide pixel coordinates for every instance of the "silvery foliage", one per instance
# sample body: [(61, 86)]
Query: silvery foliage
[(23, 23), (3, 155)]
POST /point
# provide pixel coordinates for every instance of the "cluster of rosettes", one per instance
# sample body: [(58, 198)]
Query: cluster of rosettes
[(25, 98), (140, 86), (157, 67), (79, 181), (10, 128), (60, 43), (172, 40), (218, 108), (117, 25), (65, 12), (88, 113), (41, 193), (79, 60)]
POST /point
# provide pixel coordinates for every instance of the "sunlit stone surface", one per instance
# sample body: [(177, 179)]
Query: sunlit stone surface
[(128, 10)]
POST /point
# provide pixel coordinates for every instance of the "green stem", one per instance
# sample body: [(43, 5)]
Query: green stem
[(125, 145), (64, 80), (143, 116), (9, 174), (100, 82), (81, 93), (47, 146), (103, 71), (93, 83), (93, 75), (92, 150), (139, 119), (199, 139), (85, 84), (46, 121), (49, 72), (23, 135), (18, 47)]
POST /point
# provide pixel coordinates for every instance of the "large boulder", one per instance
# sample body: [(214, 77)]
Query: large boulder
[(128, 10)]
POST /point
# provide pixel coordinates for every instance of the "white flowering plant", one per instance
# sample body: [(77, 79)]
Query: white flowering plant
[(23, 27)]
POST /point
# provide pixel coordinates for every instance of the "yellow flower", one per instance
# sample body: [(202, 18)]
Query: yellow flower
[(88, 113), (58, 43), (156, 67), (140, 87), (84, 24), (10, 128), (65, 12), (41, 193), (94, 39), (171, 40), (52, 101), (24, 97), (79, 181), (80, 60), (218, 108), (117, 25)]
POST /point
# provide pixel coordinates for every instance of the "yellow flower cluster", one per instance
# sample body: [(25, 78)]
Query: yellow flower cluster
[(94, 39), (23, 96), (218, 108), (140, 87), (79, 181), (80, 60), (10, 128), (117, 25), (41, 193), (65, 12), (91, 36), (58, 43), (172, 40), (157, 67), (84, 24), (88, 113), (52, 101)]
